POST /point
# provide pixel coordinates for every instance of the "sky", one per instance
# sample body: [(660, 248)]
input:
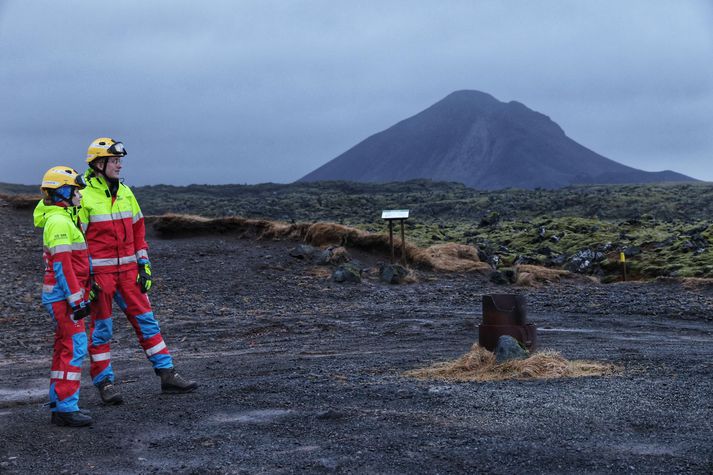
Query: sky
[(254, 91)]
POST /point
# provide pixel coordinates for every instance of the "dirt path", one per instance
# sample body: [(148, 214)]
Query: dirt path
[(299, 374)]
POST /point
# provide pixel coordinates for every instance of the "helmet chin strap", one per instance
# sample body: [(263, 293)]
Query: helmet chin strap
[(58, 198), (112, 182)]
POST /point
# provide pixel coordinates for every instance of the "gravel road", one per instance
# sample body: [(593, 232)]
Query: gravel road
[(299, 374)]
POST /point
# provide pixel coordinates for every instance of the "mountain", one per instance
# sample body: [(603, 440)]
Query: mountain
[(472, 138)]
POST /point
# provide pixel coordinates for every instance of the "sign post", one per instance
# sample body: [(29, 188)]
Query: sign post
[(392, 215), (622, 259)]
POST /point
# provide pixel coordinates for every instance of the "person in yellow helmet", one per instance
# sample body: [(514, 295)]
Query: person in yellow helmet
[(65, 293), (115, 233)]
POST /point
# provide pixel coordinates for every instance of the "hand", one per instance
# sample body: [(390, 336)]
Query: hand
[(80, 310), (94, 292), (144, 277)]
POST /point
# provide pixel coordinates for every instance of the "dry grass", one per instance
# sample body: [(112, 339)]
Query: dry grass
[(479, 365), (339, 255), (531, 276), (21, 201), (320, 272), (442, 257), (689, 283), (320, 234), (450, 257)]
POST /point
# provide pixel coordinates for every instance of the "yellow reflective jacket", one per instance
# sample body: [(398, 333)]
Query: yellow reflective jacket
[(65, 254), (113, 226)]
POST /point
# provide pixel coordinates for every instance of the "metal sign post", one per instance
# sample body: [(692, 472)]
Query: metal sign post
[(392, 215)]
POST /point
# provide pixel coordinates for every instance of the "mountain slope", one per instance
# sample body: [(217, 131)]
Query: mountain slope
[(473, 138)]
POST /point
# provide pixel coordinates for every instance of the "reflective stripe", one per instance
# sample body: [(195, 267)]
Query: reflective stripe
[(84, 227), (71, 376), (142, 254), (155, 349), (47, 288), (113, 261), (56, 374), (138, 216), (77, 246), (102, 356), (75, 296), (98, 218), (57, 249)]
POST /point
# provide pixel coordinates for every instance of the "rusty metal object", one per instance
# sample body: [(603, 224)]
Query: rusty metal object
[(506, 314)]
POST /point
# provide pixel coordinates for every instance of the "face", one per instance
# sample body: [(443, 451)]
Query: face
[(113, 168), (76, 197)]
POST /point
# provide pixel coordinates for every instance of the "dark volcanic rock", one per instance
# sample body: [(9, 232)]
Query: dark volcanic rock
[(346, 273), (303, 251), (509, 349), (392, 273)]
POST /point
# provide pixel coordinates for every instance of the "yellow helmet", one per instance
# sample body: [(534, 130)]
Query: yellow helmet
[(57, 177), (105, 147)]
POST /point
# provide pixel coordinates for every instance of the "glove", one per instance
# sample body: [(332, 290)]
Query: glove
[(80, 310), (144, 277), (94, 292)]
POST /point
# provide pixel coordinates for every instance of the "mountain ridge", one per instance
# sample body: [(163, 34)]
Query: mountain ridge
[(473, 138)]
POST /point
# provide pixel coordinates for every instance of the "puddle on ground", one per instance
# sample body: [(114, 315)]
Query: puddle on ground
[(21, 396), (568, 330), (647, 449), (253, 417), (631, 335), (301, 449)]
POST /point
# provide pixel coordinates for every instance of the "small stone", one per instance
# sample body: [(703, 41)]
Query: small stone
[(392, 273), (303, 251), (323, 257), (508, 348), (346, 273), (497, 277)]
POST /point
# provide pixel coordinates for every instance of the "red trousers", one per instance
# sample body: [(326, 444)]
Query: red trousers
[(122, 288), (70, 348)]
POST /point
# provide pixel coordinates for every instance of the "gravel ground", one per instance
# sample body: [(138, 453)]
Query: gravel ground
[(299, 374)]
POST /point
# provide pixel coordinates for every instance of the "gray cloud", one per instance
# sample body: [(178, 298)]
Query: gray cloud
[(254, 91)]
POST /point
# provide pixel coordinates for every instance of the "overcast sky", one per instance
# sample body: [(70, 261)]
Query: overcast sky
[(257, 91)]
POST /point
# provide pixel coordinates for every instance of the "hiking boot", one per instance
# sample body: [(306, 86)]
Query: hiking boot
[(70, 419), (172, 382), (109, 393)]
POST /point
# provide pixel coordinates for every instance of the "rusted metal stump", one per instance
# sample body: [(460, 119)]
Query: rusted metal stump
[(506, 314)]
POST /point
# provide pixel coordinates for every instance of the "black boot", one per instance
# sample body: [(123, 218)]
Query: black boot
[(71, 419), (172, 382), (109, 393)]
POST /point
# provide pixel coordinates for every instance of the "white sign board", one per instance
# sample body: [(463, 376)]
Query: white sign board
[(394, 214)]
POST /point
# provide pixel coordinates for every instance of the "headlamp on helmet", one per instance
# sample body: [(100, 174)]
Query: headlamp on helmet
[(59, 177), (105, 147)]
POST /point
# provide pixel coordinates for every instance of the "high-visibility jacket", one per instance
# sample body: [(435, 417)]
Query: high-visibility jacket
[(113, 226), (65, 254)]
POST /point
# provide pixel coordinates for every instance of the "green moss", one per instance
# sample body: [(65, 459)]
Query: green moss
[(668, 224)]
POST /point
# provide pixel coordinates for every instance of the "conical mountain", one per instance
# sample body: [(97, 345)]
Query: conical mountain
[(472, 138)]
